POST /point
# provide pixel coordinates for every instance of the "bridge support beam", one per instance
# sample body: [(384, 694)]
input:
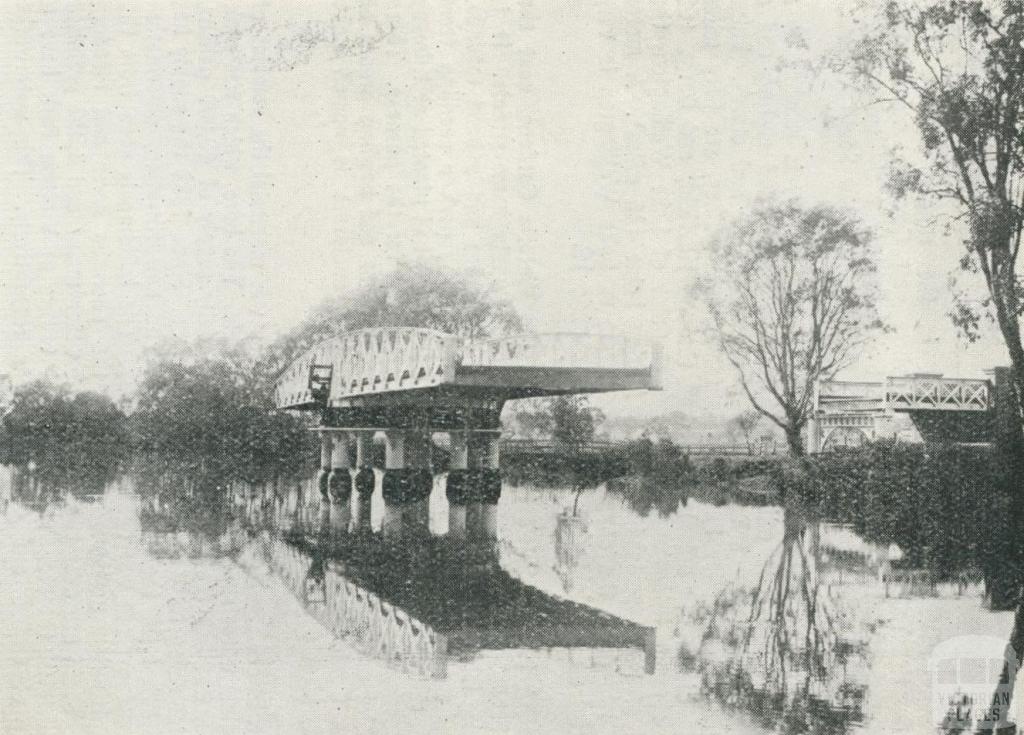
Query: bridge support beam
[(317, 499), (483, 487), (416, 516), (491, 488), (456, 484), (394, 483), (294, 504), (405, 489), (364, 480), (339, 485)]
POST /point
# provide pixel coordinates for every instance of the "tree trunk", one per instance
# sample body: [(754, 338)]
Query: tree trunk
[(795, 439)]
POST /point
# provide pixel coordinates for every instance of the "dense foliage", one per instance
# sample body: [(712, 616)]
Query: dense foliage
[(63, 440), (211, 418), (410, 295), (946, 507), (957, 68)]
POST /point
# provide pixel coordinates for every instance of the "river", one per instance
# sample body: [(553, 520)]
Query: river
[(104, 630)]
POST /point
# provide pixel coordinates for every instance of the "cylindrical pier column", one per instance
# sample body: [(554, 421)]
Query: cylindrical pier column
[(319, 499), (363, 481), (482, 522), (395, 483), (420, 483), (457, 484), (339, 485), (294, 504)]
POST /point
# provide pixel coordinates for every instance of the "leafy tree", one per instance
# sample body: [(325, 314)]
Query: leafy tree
[(532, 418), (411, 295), (793, 300), (73, 442), (573, 420), (957, 67), (746, 423), (212, 417)]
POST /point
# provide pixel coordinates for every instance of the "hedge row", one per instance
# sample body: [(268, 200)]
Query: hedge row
[(949, 508)]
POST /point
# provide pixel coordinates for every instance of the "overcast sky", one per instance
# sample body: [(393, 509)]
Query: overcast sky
[(171, 172)]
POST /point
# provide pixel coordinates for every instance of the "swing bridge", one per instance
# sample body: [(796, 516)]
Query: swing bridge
[(411, 384)]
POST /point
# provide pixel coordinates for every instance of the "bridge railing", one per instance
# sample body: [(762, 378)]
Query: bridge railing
[(903, 393), (370, 361), (515, 445), (556, 350), (941, 394), (388, 359)]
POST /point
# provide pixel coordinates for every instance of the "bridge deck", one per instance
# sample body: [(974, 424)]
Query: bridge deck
[(380, 365), (903, 393)]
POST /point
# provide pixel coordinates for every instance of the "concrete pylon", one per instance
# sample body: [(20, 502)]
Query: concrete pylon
[(339, 485), (318, 500), (421, 481), (394, 483), (457, 484), (482, 518), (363, 481)]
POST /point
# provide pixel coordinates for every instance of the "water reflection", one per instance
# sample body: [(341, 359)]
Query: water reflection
[(644, 494), (785, 644), (570, 544), (41, 492), (416, 601), (784, 650)]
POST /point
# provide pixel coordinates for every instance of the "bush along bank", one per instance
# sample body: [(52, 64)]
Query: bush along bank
[(949, 508)]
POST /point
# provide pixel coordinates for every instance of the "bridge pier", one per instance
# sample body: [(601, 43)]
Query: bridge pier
[(456, 484), (473, 491), (416, 515), (394, 484), (293, 504), (320, 503), (489, 489), (339, 485), (363, 481)]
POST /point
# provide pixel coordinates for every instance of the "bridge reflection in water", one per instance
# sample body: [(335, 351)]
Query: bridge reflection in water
[(416, 603)]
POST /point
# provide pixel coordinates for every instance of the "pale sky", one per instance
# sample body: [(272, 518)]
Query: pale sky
[(220, 170)]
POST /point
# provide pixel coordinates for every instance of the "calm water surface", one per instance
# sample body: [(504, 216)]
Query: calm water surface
[(765, 622)]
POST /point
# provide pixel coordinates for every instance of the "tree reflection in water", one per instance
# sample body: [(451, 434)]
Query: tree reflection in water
[(570, 545), (782, 651)]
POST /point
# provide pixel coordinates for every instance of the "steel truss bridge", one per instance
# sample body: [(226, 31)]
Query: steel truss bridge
[(409, 376), (409, 383), (942, 409)]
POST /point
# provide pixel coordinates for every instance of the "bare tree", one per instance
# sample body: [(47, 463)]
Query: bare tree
[(793, 300)]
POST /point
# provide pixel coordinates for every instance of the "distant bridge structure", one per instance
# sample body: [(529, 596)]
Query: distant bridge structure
[(940, 409)]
